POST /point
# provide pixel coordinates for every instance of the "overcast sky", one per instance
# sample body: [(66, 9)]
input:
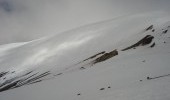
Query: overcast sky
[(25, 20)]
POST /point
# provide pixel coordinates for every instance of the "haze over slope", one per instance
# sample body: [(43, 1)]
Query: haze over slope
[(103, 61)]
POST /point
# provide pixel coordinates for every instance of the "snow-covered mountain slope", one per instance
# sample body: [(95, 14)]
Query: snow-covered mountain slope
[(122, 59)]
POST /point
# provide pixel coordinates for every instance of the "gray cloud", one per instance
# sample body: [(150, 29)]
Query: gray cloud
[(24, 20), (4, 5)]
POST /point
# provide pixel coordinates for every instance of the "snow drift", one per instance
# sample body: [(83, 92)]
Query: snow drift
[(126, 57)]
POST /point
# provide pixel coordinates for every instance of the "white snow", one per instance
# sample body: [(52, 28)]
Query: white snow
[(122, 77)]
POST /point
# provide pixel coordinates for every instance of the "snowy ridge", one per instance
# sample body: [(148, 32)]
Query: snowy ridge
[(100, 49)]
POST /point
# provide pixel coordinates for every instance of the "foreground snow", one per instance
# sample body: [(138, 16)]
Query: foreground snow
[(103, 61)]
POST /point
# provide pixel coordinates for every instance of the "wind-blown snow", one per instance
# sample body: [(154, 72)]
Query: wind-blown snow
[(103, 61)]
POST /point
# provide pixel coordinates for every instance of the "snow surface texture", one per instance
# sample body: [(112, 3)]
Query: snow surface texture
[(122, 59)]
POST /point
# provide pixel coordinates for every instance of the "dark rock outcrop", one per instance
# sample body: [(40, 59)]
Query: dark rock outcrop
[(146, 40), (149, 28), (106, 56)]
